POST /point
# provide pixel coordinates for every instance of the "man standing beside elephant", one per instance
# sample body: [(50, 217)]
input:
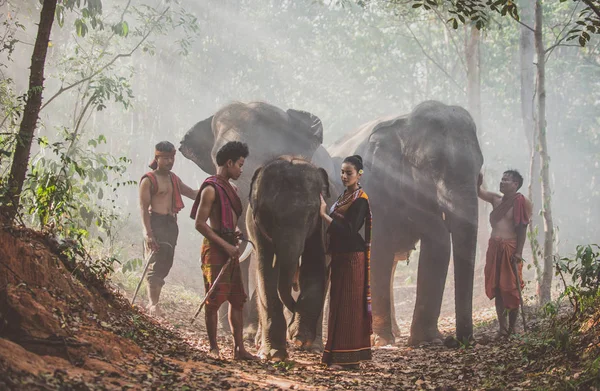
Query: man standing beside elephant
[(218, 201), (160, 200), (509, 219)]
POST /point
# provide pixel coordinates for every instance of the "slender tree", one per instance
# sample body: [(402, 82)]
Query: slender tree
[(543, 150), (32, 109)]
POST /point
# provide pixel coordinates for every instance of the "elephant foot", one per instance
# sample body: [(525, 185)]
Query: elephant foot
[(455, 343), (316, 347), (308, 345), (273, 355), (433, 337), (382, 339)]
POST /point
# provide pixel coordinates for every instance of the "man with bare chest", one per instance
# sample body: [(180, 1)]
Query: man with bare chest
[(219, 202), (160, 199), (509, 219)]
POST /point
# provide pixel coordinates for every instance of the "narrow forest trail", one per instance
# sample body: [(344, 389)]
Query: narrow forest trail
[(59, 332)]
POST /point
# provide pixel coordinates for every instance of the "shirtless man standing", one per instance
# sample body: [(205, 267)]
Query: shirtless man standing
[(509, 219), (160, 200), (218, 201)]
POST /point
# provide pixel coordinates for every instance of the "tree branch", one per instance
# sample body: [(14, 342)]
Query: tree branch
[(461, 88), (523, 24), (592, 6), (111, 62)]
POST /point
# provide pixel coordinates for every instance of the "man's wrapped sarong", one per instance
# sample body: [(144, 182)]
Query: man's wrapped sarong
[(500, 278), (230, 286)]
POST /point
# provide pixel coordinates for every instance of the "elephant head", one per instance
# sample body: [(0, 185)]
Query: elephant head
[(283, 220)]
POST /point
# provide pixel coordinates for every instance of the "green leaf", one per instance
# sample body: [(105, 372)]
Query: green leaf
[(60, 15), (81, 28)]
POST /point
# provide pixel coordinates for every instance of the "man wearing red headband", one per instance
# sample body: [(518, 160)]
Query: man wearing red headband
[(160, 199)]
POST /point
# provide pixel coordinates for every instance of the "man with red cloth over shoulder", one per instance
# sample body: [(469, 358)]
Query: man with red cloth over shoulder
[(160, 196), (216, 212), (509, 219)]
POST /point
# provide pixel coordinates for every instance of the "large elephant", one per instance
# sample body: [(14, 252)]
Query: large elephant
[(283, 220), (268, 131), (421, 176)]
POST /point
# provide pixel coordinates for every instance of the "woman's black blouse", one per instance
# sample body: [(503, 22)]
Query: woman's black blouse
[(344, 236)]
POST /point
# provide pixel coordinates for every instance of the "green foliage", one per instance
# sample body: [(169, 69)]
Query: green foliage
[(575, 336), (132, 265), (90, 14), (71, 193), (584, 270), (588, 23)]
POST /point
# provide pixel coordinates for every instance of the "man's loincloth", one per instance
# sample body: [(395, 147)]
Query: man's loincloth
[(230, 286), (499, 275)]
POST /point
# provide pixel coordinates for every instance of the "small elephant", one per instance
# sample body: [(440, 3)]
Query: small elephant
[(421, 175), (283, 221)]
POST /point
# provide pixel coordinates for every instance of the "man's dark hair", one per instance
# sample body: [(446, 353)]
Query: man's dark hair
[(516, 177), (233, 150), (164, 146)]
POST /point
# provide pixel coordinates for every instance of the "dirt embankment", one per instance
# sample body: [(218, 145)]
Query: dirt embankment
[(61, 332)]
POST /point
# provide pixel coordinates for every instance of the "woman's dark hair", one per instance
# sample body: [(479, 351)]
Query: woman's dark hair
[(355, 160), (233, 150)]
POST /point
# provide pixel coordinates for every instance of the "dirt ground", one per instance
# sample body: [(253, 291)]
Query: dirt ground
[(59, 333)]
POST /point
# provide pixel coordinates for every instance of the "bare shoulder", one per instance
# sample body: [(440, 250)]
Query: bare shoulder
[(528, 204), (208, 193), (145, 183)]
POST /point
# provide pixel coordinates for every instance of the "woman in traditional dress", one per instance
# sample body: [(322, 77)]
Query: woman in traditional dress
[(350, 327)]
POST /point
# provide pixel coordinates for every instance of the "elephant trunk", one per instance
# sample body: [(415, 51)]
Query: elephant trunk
[(463, 226)]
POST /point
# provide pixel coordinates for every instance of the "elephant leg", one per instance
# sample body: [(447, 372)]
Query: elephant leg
[(432, 272), (382, 261), (395, 327), (303, 329), (251, 330), (270, 308)]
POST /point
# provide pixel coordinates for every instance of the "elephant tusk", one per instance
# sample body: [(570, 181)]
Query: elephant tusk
[(274, 261), (246, 253)]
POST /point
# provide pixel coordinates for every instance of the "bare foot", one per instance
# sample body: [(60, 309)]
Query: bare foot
[(154, 310), (214, 354), (244, 355)]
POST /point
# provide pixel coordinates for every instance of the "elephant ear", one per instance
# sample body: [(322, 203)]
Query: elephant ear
[(197, 145), (325, 182), (310, 122)]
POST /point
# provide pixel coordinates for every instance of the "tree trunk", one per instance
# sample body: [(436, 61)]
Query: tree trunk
[(474, 75), (526, 53), (31, 112), (545, 289), (472, 54)]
